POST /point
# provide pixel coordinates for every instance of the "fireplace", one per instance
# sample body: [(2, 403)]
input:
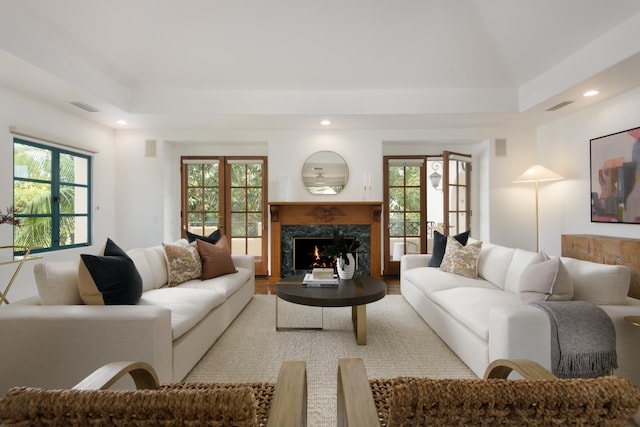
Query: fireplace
[(291, 220), (308, 253)]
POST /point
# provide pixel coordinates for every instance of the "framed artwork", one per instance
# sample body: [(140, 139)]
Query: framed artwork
[(615, 177)]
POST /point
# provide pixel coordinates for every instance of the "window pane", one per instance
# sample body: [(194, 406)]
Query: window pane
[(238, 225), (413, 175), (194, 173), (412, 226), (453, 198), (396, 224), (31, 162), (254, 199), (73, 230), (195, 223), (211, 174), (211, 199), (34, 231), (73, 169), (195, 199), (396, 199), (396, 176), (32, 198), (254, 172), (73, 199), (238, 175), (238, 199), (413, 199), (254, 225)]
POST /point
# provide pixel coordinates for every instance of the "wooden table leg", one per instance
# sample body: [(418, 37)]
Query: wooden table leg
[(359, 317)]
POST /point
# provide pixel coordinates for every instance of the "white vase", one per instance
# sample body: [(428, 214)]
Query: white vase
[(346, 271)]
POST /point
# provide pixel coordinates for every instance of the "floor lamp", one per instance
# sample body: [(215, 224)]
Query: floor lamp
[(538, 173)]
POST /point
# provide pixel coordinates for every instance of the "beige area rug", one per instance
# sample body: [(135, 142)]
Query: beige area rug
[(399, 343)]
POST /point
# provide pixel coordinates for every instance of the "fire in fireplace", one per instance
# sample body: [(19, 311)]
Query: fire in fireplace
[(308, 253)]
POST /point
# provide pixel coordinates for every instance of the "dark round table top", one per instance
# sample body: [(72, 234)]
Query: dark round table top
[(357, 291)]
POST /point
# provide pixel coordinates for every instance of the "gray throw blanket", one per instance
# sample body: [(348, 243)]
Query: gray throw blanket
[(583, 340)]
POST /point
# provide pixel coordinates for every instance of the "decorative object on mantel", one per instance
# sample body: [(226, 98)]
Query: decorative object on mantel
[(344, 249), (538, 173)]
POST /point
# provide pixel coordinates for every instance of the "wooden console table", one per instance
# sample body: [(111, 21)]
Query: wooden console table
[(13, 260)]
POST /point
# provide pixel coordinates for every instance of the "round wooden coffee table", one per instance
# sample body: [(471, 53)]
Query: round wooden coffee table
[(355, 293)]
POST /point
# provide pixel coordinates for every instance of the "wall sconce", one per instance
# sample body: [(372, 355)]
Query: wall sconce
[(435, 177)]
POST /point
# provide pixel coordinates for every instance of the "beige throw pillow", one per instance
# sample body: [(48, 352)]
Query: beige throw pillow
[(461, 260), (545, 279), (183, 263)]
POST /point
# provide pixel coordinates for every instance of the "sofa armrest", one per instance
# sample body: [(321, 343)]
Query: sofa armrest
[(57, 346), (244, 261), (520, 332), (407, 262)]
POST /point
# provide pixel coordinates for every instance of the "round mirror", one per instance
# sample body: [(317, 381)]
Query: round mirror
[(325, 172)]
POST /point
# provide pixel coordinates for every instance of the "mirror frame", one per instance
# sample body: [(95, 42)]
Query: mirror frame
[(325, 173)]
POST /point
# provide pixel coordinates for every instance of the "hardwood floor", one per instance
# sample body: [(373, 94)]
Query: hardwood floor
[(263, 286)]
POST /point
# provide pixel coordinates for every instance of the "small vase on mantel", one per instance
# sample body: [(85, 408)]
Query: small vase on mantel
[(346, 271)]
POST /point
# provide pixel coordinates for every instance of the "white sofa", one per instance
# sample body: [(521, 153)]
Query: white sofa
[(483, 319), (171, 328)]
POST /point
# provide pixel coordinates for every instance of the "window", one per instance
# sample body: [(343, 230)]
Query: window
[(51, 196), (229, 194)]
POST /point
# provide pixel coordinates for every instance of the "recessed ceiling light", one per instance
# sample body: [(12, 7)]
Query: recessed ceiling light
[(325, 123), (592, 92), (122, 122)]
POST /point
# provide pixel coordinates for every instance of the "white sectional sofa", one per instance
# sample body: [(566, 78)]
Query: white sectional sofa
[(171, 328), (484, 319)]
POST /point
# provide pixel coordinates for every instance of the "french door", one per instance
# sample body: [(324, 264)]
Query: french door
[(423, 194), (227, 194)]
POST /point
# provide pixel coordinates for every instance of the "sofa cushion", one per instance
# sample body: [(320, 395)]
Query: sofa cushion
[(461, 260), (430, 279), (57, 282), (151, 265), (183, 263), (187, 306), (545, 279), (494, 263), (216, 258), (520, 260), (600, 284), (211, 238), (440, 245), (227, 284), (109, 279), (471, 306)]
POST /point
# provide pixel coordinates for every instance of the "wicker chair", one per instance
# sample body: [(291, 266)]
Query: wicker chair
[(540, 399), (152, 404)]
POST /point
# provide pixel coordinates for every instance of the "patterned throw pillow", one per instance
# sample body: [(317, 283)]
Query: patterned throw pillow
[(183, 263), (462, 260)]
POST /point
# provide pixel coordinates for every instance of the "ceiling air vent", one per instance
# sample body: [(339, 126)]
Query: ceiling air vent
[(559, 106), (83, 105)]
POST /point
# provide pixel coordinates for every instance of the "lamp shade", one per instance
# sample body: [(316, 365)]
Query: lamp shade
[(537, 173)]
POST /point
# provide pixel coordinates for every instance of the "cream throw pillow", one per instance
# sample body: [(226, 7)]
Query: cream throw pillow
[(461, 260), (545, 279)]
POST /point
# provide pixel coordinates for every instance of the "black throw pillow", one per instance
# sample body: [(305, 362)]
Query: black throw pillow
[(440, 244), (109, 279), (211, 238)]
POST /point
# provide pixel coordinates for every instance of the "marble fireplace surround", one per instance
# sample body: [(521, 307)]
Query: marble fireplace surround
[(287, 217)]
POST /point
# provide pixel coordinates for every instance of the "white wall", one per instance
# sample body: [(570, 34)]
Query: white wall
[(565, 206), (49, 122)]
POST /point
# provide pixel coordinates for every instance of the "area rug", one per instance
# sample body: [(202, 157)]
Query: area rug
[(399, 343)]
